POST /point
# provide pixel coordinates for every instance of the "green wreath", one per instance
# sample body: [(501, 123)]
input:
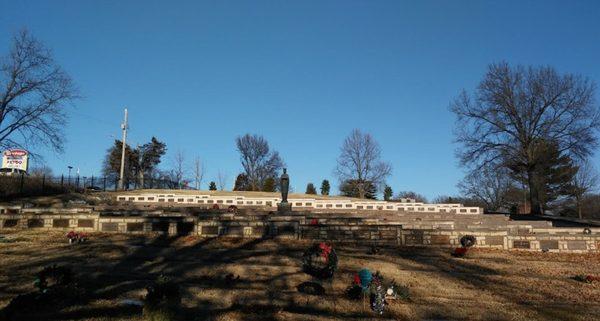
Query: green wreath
[(320, 261)]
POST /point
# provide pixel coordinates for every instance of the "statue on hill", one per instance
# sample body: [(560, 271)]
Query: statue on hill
[(284, 186)]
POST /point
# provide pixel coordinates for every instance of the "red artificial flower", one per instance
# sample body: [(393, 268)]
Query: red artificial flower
[(591, 278), (460, 251), (356, 279), (325, 250)]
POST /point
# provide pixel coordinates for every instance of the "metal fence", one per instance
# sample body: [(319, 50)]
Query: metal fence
[(24, 185)]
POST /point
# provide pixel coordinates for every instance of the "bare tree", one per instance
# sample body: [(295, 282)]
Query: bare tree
[(585, 181), (40, 171), (489, 186), (33, 93), (514, 108), (179, 167), (258, 161), (411, 195), (360, 162), (199, 171), (222, 179)]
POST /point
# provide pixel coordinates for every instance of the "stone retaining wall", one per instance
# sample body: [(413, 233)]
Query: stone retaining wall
[(406, 230)]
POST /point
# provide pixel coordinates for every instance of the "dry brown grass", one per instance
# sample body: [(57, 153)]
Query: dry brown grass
[(490, 285)]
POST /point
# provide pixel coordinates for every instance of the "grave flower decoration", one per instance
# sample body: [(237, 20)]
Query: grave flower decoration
[(466, 242), (587, 278), (76, 237), (320, 261)]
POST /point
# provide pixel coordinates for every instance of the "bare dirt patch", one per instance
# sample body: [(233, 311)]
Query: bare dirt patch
[(489, 285)]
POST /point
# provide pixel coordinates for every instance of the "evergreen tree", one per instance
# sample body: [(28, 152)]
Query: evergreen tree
[(212, 186), (387, 193), (269, 185), (325, 187), (140, 162), (147, 157), (241, 183), (350, 188), (552, 174), (112, 163), (310, 189)]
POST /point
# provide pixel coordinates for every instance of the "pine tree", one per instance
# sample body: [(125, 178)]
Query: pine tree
[(325, 187), (269, 185), (310, 189), (350, 188), (551, 176), (212, 186), (241, 183), (387, 193)]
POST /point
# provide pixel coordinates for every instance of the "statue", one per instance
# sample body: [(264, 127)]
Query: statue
[(284, 207), (284, 186)]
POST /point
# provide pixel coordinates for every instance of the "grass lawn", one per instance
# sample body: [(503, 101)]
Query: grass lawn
[(489, 285)]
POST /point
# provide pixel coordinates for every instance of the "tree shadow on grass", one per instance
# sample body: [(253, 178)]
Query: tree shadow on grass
[(474, 275)]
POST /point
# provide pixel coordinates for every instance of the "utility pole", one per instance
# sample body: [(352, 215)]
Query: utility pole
[(124, 128)]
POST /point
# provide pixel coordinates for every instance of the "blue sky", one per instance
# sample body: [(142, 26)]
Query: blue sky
[(303, 74)]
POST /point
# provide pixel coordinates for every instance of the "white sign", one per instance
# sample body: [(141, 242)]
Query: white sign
[(15, 158)]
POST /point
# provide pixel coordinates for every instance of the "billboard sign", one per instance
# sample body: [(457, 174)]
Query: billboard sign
[(15, 158)]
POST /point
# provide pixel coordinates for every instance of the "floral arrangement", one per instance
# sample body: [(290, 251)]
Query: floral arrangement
[(466, 242), (76, 237), (379, 292), (586, 278), (460, 252), (320, 261)]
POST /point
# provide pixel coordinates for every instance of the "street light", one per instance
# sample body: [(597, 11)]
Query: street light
[(69, 177)]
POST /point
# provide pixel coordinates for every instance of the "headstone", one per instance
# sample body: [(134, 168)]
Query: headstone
[(258, 230), (210, 230), (36, 222), (235, 231), (286, 229), (549, 244), (60, 222), (85, 223), (494, 240), (577, 245), (185, 228), (109, 227), (135, 227), (10, 223), (161, 226), (440, 240), (414, 238), (517, 244)]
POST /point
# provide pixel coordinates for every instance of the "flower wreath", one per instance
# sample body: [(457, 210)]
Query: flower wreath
[(468, 240), (320, 261)]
